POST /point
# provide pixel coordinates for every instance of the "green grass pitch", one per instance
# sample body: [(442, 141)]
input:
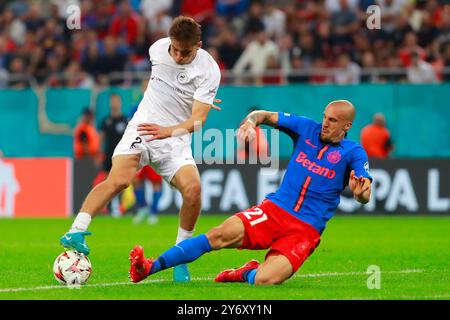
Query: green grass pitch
[(412, 253)]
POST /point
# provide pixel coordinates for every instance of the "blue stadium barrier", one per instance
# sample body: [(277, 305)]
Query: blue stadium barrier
[(417, 115)]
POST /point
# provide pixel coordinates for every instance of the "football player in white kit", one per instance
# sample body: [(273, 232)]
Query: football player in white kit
[(183, 83)]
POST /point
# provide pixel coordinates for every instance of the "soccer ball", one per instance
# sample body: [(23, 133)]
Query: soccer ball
[(72, 268)]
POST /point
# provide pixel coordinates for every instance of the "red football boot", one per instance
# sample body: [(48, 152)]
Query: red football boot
[(139, 265), (236, 275)]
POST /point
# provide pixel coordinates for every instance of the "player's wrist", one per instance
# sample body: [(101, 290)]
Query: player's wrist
[(250, 122), (172, 131)]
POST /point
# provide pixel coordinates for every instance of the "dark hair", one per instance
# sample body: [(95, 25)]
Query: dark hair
[(415, 54), (88, 112), (186, 30)]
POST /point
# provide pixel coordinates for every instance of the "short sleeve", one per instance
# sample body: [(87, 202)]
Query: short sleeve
[(360, 163), (208, 86), (151, 53), (293, 123)]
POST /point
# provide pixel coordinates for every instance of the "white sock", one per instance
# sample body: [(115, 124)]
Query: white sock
[(81, 222), (183, 235)]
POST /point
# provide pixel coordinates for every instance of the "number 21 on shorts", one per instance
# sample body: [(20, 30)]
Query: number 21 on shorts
[(255, 216)]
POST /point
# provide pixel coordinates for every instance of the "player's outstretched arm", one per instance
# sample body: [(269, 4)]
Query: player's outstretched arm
[(360, 186), (247, 132), (200, 112), (263, 117)]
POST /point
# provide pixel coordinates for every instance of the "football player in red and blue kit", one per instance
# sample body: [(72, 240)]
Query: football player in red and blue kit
[(290, 221)]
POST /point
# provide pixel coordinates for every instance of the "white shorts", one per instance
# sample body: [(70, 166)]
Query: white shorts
[(165, 156)]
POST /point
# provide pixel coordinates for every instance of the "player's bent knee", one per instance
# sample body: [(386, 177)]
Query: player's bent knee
[(118, 184), (275, 270), (264, 278), (192, 193)]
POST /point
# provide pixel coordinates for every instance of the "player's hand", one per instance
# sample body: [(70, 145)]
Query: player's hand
[(155, 131), (216, 107), (246, 131), (358, 185)]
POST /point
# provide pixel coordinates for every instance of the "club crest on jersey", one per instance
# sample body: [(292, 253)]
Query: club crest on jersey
[(334, 157), (182, 78)]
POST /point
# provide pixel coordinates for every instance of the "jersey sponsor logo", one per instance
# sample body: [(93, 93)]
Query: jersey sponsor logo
[(314, 167), (161, 81), (182, 78), (308, 142), (334, 157)]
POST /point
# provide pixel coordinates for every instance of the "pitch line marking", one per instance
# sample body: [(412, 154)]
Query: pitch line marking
[(111, 284), (337, 274), (437, 296)]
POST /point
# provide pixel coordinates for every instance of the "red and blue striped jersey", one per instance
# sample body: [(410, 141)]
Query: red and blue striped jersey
[(317, 171)]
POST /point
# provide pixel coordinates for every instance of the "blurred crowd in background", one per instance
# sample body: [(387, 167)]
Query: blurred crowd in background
[(254, 42)]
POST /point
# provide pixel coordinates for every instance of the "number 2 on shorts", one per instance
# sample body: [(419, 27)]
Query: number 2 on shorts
[(252, 214)]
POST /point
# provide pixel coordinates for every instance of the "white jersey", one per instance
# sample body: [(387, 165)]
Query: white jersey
[(172, 89)]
